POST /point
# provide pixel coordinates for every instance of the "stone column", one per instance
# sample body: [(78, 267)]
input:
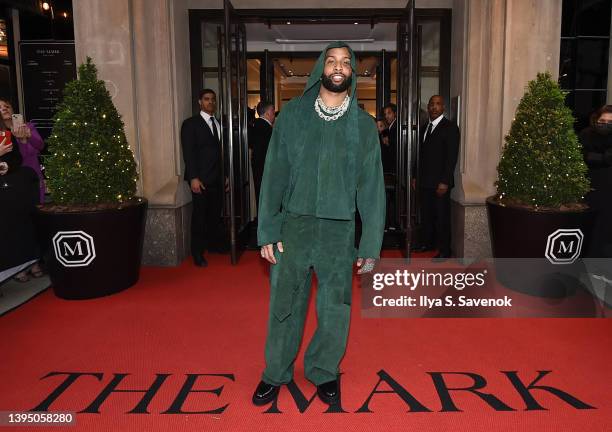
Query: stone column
[(132, 43), (103, 31), (505, 44)]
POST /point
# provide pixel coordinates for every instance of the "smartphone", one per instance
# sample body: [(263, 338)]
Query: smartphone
[(5, 137), (17, 120)]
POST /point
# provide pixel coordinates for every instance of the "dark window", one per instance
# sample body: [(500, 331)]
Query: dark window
[(55, 23), (586, 18), (585, 52)]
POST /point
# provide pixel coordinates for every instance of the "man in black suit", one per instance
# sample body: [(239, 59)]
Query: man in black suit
[(201, 142), (439, 147), (389, 152), (259, 140)]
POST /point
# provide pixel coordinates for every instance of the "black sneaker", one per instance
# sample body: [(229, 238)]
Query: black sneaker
[(265, 393), (329, 392)]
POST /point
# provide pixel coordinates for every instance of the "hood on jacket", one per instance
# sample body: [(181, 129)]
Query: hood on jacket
[(305, 102), (314, 81)]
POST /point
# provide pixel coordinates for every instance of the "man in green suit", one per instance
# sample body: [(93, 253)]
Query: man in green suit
[(323, 164)]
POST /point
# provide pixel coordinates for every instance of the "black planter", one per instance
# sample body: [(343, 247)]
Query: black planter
[(523, 233), (538, 263), (93, 253)]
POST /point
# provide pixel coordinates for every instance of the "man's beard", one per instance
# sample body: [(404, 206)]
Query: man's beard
[(336, 88)]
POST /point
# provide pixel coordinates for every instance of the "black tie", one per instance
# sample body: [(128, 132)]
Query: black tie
[(429, 128), (214, 128)]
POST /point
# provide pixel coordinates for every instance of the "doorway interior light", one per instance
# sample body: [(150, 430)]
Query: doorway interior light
[(314, 41)]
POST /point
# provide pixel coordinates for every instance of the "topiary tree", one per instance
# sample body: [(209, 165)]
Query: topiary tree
[(90, 161), (542, 163)]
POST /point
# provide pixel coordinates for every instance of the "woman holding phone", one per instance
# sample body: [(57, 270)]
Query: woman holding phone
[(20, 145), (27, 137)]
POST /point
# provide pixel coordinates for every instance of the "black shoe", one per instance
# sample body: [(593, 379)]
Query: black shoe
[(329, 392), (200, 261), (421, 249), (265, 393)]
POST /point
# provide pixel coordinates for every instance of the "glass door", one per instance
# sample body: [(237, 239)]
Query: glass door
[(407, 121), (235, 147)]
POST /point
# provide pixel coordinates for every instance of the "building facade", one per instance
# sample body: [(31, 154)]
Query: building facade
[(141, 49)]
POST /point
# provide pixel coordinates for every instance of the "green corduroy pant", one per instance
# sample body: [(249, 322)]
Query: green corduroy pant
[(325, 246)]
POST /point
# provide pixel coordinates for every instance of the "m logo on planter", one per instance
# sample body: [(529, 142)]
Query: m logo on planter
[(564, 246), (74, 248)]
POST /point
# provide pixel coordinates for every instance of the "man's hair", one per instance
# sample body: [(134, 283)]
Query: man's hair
[(263, 106), (205, 91), (606, 109), (440, 96), (392, 106)]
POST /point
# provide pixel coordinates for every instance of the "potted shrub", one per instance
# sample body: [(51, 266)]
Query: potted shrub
[(93, 229), (542, 180)]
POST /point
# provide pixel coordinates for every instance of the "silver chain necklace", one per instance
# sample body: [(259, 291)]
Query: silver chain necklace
[(331, 113)]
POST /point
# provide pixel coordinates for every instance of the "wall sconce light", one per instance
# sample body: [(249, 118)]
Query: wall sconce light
[(47, 7)]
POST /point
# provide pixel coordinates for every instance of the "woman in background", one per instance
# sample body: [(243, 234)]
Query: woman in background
[(27, 143), (597, 148), (383, 131)]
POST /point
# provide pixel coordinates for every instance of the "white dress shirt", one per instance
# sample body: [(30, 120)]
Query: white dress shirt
[(207, 118), (433, 127)]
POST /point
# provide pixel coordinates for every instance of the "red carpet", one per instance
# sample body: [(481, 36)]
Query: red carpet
[(186, 320)]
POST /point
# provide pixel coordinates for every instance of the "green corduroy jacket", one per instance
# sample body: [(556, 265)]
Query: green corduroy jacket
[(355, 184)]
